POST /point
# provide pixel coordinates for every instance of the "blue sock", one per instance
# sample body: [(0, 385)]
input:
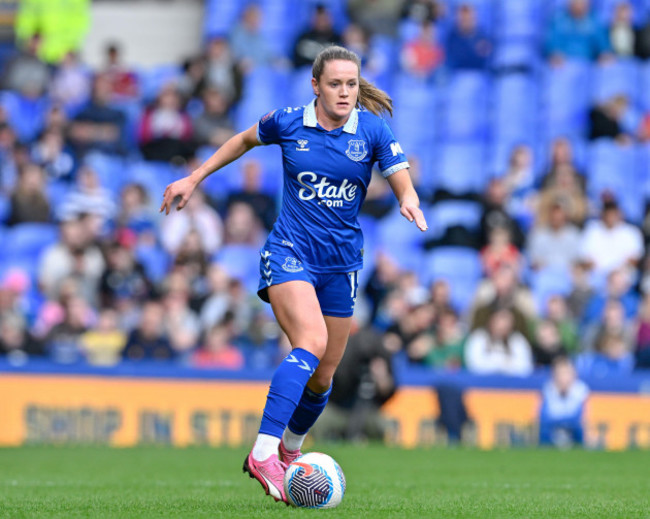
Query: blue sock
[(286, 389), (309, 408)]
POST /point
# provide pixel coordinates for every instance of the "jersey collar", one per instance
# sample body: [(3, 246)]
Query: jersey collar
[(309, 118)]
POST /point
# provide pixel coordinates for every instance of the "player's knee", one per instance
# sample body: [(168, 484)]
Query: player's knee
[(315, 344)]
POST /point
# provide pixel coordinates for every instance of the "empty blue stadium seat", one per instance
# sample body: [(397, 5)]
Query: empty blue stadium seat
[(260, 96), (154, 260), (448, 213), (25, 115), (617, 77), (461, 168), (220, 16), (515, 108), (112, 170), (242, 262), (400, 239), (152, 80), (613, 168), (154, 176), (464, 111), (29, 240), (549, 282), (644, 88), (565, 104), (519, 19), (5, 208), (460, 267)]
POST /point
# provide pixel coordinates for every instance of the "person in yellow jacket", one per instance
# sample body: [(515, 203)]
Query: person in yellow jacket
[(61, 23)]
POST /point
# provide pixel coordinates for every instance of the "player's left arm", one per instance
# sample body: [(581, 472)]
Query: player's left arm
[(409, 202)]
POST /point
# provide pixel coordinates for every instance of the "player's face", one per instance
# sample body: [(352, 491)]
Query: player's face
[(337, 90)]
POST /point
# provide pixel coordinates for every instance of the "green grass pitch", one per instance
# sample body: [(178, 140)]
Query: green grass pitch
[(148, 482)]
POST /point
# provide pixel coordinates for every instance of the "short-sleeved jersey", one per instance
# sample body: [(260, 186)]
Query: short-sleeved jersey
[(326, 177)]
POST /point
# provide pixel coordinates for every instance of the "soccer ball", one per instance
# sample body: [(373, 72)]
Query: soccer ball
[(314, 480)]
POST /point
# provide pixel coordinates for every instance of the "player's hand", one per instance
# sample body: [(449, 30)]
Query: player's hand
[(414, 214), (182, 188)]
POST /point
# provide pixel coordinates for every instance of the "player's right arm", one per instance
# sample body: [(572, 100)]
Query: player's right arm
[(231, 150)]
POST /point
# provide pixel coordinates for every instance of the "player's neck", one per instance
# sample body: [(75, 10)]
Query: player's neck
[(327, 122)]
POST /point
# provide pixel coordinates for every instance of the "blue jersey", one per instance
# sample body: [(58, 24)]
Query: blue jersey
[(326, 176)]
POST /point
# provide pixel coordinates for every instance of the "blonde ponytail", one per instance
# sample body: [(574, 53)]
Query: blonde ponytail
[(374, 99), (370, 97)]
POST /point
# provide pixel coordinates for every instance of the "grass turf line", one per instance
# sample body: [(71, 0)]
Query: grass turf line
[(148, 482)]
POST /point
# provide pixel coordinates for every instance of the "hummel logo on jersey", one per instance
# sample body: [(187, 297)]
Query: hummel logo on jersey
[(302, 143), (303, 364), (396, 148), (327, 193)]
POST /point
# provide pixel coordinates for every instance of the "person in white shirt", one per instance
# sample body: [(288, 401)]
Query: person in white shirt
[(555, 244), (498, 349), (610, 243)]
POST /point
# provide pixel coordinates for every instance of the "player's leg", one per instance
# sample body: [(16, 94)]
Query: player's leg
[(337, 295), (298, 313), (316, 393)]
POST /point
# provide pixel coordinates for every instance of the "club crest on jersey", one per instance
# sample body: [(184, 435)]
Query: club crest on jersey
[(356, 150), (292, 264), (302, 145)]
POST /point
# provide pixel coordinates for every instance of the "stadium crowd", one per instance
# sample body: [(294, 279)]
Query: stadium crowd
[(526, 126)]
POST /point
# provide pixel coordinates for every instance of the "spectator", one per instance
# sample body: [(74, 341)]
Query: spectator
[(165, 131), (213, 126), (193, 262), (181, 323), (557, 312), (63, 340), (503, 290), (422, 55), (217, 350), (252, 193), (562, 154), (135, 212), (222, 72), (89, 198), (413, 328), (500, 252), (25, 72), (319, 35), (8, 146), (613, 360), (55, 156), (612, 322), (606, 120), (547, 346), (98, 126), (197, 215), (71, 85), (149, 340), (554, 244), (446, 352), (422, 10), (519, 181), (103, 344), (29, 201), (563, 186), (242, 226), (123, 283), (382, 280), (468, 48), (16, 343), (217, 303), (563, 404), (194, 80), (618, 288), (642, 350), (622, 35), (122, 82), (610, 243), (576, 34), (498, 349), (495, 214), (250, 47), (363, 383), (581, 290), (74, 255), (642, 41)]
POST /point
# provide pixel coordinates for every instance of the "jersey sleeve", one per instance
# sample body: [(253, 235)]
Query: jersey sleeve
[(388, 152), (268, 128)]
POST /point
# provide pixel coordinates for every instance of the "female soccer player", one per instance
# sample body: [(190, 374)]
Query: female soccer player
[(310, 261)]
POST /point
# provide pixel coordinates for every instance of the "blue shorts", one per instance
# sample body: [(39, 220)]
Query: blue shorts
[(336, 291)]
